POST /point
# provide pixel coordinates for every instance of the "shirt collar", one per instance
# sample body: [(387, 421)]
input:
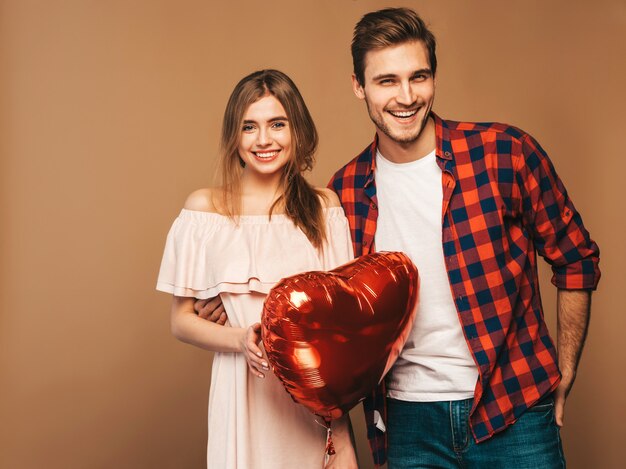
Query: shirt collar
[(443, 148)]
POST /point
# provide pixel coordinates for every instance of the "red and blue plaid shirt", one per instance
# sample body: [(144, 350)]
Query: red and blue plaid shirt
[(502, 203)]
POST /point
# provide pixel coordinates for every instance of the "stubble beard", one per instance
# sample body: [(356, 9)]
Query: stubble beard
[(381, 125)]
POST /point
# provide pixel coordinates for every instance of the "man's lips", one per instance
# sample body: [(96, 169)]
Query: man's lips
[(403, 114)]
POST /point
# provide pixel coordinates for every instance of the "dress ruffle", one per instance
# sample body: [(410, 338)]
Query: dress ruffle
[(208, 253)]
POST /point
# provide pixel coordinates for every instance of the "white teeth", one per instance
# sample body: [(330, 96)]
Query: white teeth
[(403, 113), (266, 154)]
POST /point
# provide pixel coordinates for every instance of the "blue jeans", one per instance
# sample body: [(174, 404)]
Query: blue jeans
[(437, 435)]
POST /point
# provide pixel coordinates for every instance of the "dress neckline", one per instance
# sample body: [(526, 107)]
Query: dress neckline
[(250, 219)]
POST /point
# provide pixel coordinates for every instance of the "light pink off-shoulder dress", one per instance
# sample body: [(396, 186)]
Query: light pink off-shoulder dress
[(253, 423)]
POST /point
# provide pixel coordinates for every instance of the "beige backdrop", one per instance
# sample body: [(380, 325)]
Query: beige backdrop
[(109, 116)]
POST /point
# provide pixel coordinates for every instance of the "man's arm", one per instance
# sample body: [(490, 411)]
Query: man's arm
[(573, 313), (560, 237)]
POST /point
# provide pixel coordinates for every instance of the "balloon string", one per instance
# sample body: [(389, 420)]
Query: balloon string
[(330, 447)]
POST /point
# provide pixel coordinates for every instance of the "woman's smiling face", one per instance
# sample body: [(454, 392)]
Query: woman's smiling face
[(265, 141)]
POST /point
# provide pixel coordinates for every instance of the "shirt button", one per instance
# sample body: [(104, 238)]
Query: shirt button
[(446, 153), (373, 206)]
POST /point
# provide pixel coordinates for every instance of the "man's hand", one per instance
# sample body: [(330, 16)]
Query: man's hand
[(211, 310), (560, 394)]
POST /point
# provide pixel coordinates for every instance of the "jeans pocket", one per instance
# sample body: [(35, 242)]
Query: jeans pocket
[(545, 404)]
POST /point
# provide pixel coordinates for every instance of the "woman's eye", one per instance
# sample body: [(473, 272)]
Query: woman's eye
[(247, 128), (278, 125)]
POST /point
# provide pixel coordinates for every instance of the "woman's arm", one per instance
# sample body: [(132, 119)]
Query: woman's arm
[(191, 329)]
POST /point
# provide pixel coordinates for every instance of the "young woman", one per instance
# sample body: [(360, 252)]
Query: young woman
[(264, 223)]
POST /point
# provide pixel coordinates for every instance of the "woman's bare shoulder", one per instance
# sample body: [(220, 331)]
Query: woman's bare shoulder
[(203, 200), (329, 197)]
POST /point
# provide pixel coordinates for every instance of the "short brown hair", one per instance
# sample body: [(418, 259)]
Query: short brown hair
[(388, 27)]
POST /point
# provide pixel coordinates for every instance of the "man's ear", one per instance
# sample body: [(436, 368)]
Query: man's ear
[(357, 88)]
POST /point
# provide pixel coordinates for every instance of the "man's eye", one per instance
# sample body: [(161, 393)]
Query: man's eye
[(388, 81)]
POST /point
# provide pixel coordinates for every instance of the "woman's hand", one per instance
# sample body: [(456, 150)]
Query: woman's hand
[(249, 346)]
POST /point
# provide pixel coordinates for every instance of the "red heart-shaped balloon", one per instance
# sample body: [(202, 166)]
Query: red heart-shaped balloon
[(331, 336)]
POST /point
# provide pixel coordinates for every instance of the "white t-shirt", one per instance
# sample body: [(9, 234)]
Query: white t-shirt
[(435, 364)]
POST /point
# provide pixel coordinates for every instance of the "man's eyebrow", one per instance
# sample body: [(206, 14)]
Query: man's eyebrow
[(385, 76), (423, 71), (273, 119)]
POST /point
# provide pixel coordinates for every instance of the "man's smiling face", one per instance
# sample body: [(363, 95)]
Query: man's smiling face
[(399, 89)]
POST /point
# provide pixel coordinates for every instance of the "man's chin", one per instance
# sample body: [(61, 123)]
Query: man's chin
[(407, 140), (404, 138)]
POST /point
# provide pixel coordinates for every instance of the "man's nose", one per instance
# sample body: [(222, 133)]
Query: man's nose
[(406, 96)]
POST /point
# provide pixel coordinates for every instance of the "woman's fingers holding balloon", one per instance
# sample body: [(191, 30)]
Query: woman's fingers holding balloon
[(254, 356), (255, 370), (255, 363)]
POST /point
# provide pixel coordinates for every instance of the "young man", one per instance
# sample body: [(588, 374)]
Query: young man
[(479, 382)]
